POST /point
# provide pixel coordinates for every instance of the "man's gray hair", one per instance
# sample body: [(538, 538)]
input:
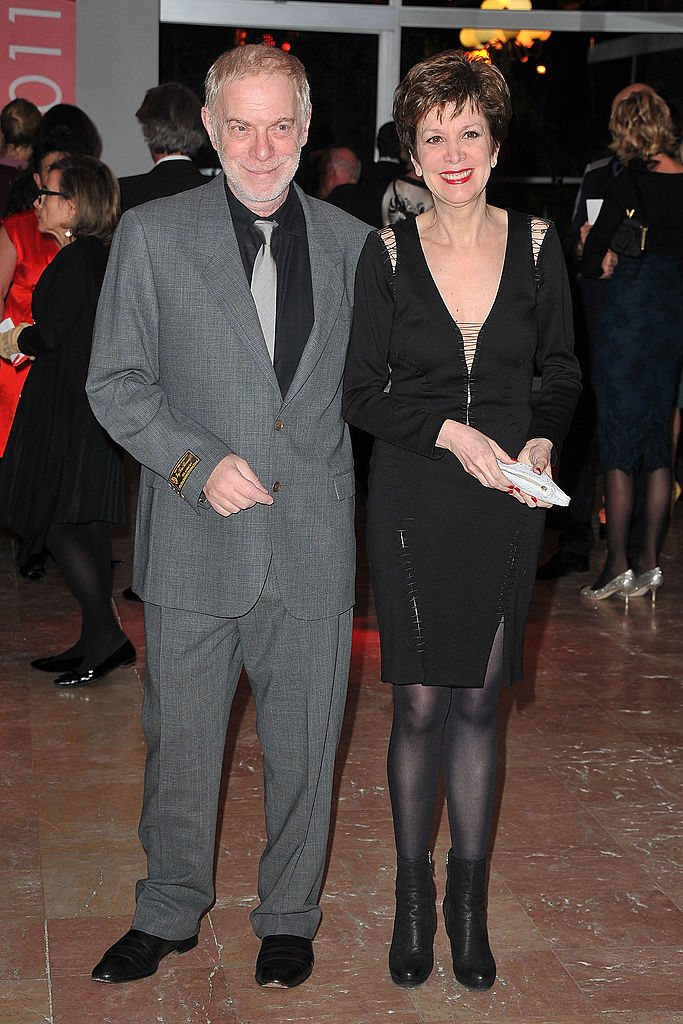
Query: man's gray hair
[(171, 119), (257, 59)]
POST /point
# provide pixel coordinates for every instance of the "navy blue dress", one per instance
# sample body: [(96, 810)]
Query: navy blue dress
[(639, 343)]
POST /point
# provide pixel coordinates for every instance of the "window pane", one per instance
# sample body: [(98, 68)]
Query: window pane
[(615, 6), (560, 118), (342, 70)]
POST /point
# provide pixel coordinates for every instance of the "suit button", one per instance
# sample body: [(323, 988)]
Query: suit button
[(278, 424), (276, 486)]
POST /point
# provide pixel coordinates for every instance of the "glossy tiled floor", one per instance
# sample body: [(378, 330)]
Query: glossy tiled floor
[(586, 889)]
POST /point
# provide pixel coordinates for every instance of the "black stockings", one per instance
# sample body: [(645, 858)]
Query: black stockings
[(619, 503), (465, 720), (82, 552)]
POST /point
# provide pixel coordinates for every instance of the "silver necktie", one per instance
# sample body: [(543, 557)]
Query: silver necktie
[(264, 284)]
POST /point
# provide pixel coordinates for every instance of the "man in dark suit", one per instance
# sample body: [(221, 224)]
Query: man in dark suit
[(379, 175), (230, 307), (339, 175), (171, 121)]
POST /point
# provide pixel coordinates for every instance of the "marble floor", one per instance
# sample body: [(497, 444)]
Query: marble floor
[(586, 889)]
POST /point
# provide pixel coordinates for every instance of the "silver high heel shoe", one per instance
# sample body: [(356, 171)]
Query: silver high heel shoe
[(622, 585), (650, 580)]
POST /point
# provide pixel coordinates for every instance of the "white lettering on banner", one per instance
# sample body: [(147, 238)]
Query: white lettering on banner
[(38, 52), (41, 80), (47, 51), (32, 12)]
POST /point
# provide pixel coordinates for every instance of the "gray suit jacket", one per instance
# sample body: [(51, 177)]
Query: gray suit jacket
[(180, 376)]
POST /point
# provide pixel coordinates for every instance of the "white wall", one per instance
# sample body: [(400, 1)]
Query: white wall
[(117, 60)]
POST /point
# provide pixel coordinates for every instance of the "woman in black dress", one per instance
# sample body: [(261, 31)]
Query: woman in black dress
[(639, 342), (61, 478), (454, 309)]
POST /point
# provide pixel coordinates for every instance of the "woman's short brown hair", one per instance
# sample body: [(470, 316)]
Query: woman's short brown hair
[(449, 77), (642, 127), (95, 193)]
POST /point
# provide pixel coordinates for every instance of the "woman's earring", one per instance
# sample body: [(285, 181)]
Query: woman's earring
[(68, 232)]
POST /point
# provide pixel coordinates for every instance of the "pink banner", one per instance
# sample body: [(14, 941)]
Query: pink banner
[(38, 51)]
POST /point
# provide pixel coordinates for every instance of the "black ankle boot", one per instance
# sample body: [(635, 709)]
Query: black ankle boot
[(411, 956), (464, 909)]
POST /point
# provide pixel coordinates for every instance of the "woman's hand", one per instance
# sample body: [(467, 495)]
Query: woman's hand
[(609, 262), (476, 452), (9, 342), (584, 231), (535, 453)]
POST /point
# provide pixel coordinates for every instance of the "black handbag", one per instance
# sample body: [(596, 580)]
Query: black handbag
[(629, 238)]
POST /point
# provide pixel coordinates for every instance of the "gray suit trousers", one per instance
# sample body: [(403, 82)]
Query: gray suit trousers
[(298, 671)]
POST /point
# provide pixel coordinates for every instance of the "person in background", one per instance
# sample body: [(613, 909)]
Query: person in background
[(339, 171), (406, 195), (61, 478), (25, 251), (77, 134), (378, 175), (576, 471), (19, 121), (639, 347), (68, 119), (453, 309), (171, 120)]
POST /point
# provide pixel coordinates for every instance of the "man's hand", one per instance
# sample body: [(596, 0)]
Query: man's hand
[(233, 487)]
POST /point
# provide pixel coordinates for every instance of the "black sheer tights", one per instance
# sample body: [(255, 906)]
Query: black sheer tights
[(465, 721), (82, 553), (619, 504)]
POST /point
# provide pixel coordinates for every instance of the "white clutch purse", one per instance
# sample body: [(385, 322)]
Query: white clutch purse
[(537, 486)]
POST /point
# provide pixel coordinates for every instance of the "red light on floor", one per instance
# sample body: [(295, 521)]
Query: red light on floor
[(541, 69), (286, 46)]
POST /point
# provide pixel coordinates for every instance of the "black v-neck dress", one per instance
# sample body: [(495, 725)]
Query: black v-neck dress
[(450, 558)]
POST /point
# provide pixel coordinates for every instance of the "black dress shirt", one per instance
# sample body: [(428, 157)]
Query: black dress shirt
[(294, 306)]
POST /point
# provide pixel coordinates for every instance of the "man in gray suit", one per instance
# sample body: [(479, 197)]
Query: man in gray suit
[(244, 549)]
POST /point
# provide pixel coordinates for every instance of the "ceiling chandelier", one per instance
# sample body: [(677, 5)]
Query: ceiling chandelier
[(498, 38)]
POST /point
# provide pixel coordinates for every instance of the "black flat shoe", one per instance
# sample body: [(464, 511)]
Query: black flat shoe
[(137, 955), (79, 676), (56, 664), (284, 961)]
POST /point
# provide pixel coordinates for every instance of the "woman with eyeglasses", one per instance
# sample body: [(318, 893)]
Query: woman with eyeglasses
[(61, 478)]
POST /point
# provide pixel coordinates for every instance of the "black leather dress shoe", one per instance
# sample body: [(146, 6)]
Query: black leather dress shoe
[(558, 566), (137, 955), (284, 961), (34, 571), (81, 675), (56, 664)]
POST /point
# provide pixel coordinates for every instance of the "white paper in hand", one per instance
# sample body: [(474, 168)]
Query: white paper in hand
[(541, 487), (19, 359)]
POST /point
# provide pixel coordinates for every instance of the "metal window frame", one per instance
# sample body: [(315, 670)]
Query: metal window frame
[(386, 21)]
